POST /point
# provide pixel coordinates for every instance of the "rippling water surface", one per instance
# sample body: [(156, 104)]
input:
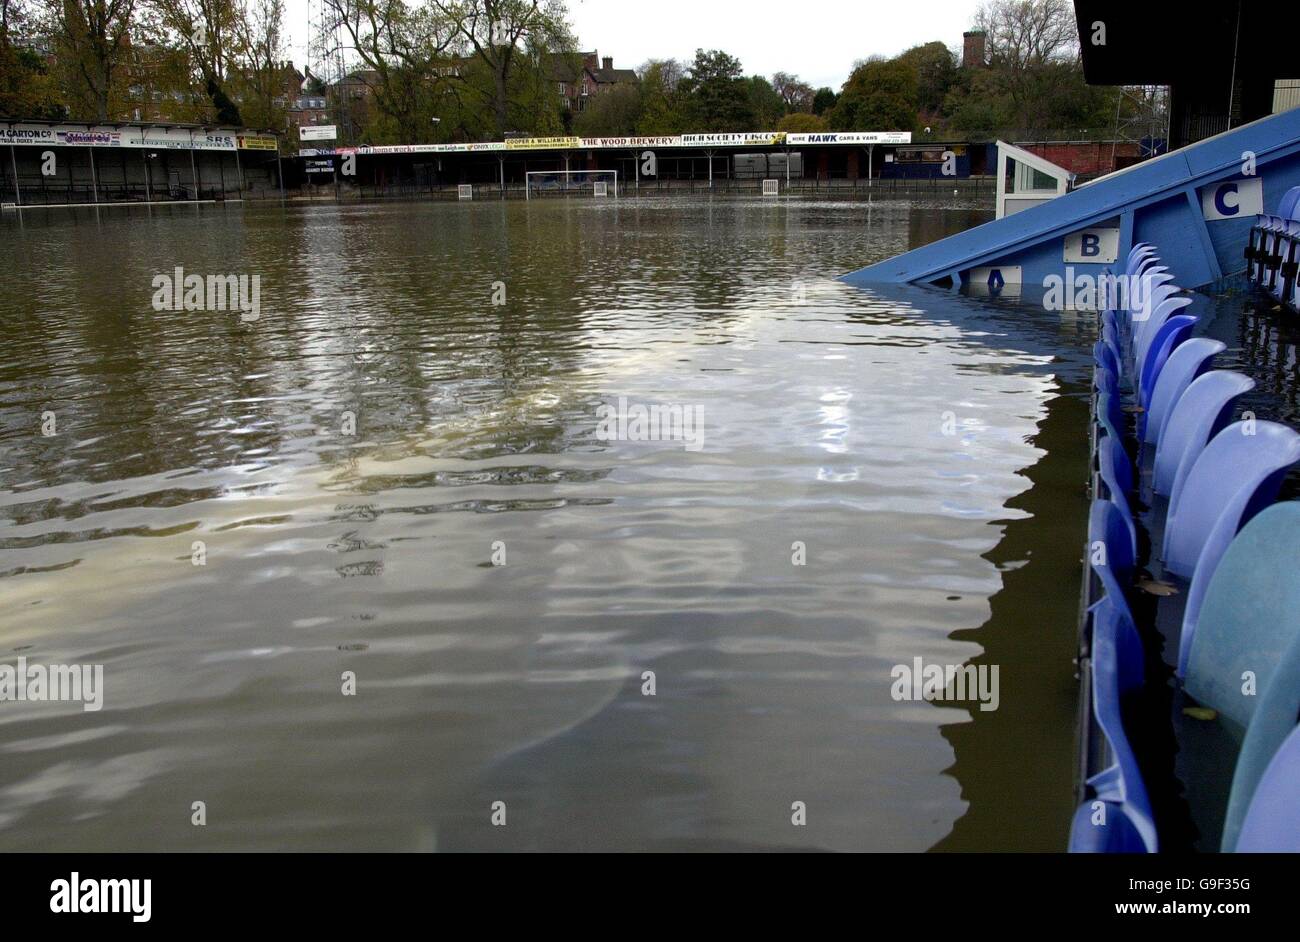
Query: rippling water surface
[(824, 414)]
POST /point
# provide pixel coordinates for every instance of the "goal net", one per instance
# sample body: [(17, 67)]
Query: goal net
[(566, 182)]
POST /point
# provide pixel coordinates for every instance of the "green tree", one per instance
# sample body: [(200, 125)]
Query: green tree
[(27, 89), (91, 38), (615, 112), (823, 101), (1033, 84), (661, 101), (802, 122), (207, 30), (715, 95), (936, 71), (766, 103), (880, 95), (506, 36)]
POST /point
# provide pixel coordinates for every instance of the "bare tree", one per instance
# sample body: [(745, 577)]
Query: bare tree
[(1023, 34), (797, 95)]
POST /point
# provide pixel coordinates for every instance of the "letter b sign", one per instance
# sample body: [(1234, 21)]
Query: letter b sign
[(1100, 246)]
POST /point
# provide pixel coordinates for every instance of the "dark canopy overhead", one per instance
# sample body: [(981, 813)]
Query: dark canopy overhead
[(1220, 60), (1161, 43)]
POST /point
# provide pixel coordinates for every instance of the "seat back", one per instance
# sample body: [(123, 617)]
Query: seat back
[(1103, 380), (1111, 552), (1114, 833), (1250, 616), (1110, 415), (1190, 360), (1143, 285), (1119, 670), (1145, 333), (1136, 255), (1117, 475), (1104, 354), (1172, 333), (1198, 415), (1267, 642), (1289, 204), (1238, 474), (1272, 823)]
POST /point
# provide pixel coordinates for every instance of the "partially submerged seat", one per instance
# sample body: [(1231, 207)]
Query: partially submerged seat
[(1200, 413), (1117, 475), (1192, 358), (1145, 334), (1272, 823), (1237, 475), (1167, 339), (1118, 672), (1111, 552), (1105, 356), (1250, 617), (1274, 229), (1115, 833), (1103, 380), (1250, 622), (1110, 415)]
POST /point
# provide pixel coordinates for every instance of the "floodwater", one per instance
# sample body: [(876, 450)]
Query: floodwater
[(396, 486)]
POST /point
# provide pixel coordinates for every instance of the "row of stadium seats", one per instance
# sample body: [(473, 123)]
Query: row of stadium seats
[(1222, 534), (1273, 251)]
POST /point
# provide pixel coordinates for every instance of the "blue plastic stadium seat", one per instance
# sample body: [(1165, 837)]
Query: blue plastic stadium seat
[(1146, 332), (1272, 722), (1110, 337), (1139, 248), (1110, 415), (1273, 231), (1288, 251), (1114, 834), (1170, 335), (1144, 262), (1118, 671), (1142, 255), (1237, 475), (1103, 380), (1250, 622), (1272, 822), (1110, 550), (1200, 413), (1250, 616), (1104, 354), (1117, 475), (1185, 364)]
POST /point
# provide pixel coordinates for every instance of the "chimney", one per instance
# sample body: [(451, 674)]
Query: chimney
[(973, 49), (607, 63)]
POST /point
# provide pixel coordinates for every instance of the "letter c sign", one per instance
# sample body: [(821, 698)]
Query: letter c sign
[(1233, 199)]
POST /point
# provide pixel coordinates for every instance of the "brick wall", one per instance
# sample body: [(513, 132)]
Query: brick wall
[(1085, 158)]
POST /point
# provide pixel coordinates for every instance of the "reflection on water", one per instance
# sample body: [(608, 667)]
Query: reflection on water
[(825, 411)]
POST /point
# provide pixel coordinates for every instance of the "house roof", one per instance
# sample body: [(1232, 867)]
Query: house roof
[(613, 76)]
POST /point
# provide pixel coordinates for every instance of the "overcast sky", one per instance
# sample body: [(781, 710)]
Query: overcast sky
[(818, 41)]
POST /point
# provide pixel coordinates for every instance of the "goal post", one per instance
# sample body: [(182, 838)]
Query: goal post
[(565, 182)]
